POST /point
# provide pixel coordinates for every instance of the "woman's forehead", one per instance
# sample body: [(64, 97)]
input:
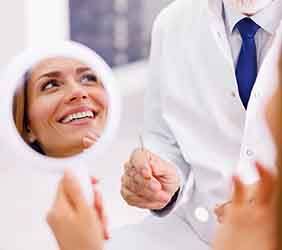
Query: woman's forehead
[(54, 64)]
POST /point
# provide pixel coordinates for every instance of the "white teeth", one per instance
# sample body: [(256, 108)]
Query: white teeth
[(79, 115)]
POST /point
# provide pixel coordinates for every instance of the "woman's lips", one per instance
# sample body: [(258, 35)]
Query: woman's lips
[(78, 116), (79, 113), (80, 122)]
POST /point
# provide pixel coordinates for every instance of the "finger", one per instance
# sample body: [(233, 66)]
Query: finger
[(61, 201), (73, 191), (140, 160), (140, 186), (128, 182), (59, 193), (150, 195), (127, 166), (239, 194), (90, 139), (151, 190), (135, 156), (161, 168), (266, 185), (146, 171), (143, 184), (60, 208), (94, 180), (220, 211), (140, 202), (87, 142), (101, 213)]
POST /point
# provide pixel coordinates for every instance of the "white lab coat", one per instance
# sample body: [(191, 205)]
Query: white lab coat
[(194, 116)]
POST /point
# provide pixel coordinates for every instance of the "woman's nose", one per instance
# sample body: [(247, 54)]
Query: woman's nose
[(76, 94)]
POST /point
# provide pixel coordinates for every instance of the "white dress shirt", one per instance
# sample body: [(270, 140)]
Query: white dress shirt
[(268, 19)]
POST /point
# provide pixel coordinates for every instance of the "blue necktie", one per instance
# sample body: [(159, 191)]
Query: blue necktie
[(247, 68)]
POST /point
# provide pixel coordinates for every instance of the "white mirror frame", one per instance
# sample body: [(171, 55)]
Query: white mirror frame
[(13, 75)]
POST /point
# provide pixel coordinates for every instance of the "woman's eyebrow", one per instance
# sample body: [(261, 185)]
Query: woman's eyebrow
[(49, 74), (83, 69)]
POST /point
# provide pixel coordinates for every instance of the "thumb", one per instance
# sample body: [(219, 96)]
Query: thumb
[(90, 139), (73, 191), (161, 168)]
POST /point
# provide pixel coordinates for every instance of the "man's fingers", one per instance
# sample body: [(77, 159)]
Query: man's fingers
[(135, 157), (140, 159), (139, 162), (133, 200), (146, 172), (267, 184), (140, 186), (73, 191), (150, 189), (152, 185), (239, 193), (161, 168), (126, 167)]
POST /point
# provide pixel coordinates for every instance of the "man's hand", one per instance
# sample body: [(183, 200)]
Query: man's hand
[(250, 224), (75, 224), (148, 181)]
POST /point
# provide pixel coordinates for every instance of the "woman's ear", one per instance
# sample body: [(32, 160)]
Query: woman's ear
[(30, 135)]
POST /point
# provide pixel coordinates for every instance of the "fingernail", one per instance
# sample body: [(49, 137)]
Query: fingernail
[(87, 142), (93, 135), (145, 172)]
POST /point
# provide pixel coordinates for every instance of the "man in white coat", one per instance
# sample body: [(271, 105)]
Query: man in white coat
[(203, 117)]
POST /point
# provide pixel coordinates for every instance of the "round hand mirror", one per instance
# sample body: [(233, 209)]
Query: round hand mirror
[(61, 109)]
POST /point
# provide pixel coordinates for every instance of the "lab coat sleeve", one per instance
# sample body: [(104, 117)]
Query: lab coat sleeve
[(158, 137)]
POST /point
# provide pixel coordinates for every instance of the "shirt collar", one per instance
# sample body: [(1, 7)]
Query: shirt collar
[(268, 19)]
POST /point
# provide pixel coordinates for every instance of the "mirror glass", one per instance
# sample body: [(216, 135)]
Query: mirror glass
[(61, 107)]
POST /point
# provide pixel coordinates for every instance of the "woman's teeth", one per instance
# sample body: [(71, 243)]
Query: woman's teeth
[(76, 116)]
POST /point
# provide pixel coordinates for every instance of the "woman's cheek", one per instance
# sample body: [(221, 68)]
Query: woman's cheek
[(41, 111), (101, 97)]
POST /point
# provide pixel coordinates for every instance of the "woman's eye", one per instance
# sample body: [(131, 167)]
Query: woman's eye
[(49, 85), (88, 78)]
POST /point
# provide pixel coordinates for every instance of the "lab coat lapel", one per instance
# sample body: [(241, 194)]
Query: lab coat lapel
[(209, 37), (214, 16)]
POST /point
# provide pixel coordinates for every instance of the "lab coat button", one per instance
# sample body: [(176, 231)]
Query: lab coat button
[(233, 94), (249, 153), (257, 94), (202, 214)]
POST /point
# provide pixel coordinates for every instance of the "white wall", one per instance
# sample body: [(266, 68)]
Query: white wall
[(29, 22), (13, 29), (46, 20)]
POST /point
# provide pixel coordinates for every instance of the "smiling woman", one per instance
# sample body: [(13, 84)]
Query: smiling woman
[(61, 109)]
